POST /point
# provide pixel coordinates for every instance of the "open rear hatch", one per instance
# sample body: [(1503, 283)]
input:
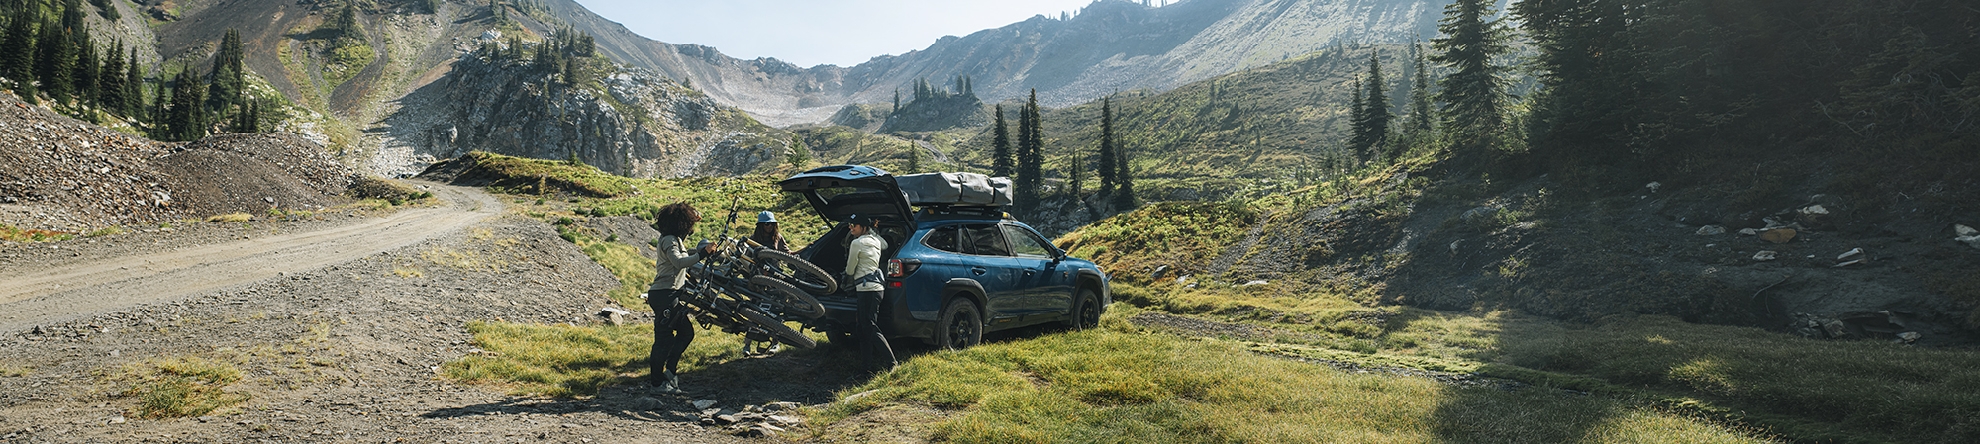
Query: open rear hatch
[(839, 191)]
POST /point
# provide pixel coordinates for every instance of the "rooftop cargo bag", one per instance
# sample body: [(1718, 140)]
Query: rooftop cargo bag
[(969, 189)]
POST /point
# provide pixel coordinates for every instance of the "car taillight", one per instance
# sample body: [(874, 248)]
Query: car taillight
[(899, 268)]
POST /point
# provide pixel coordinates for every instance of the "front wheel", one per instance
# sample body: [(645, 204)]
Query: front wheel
[(962, 325), (1086, 310)]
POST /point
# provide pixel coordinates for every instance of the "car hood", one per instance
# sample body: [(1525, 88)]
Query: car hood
[(840, 191)]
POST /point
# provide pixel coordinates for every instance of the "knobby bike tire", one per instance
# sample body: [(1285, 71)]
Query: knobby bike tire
[(777, 328), (806, 275), (796, 302)]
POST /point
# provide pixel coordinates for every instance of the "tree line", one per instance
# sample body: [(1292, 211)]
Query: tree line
[(1024, 162), (52, 57), (1630, 85)]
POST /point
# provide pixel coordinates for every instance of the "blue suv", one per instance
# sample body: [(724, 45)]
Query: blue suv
[(953, 272)]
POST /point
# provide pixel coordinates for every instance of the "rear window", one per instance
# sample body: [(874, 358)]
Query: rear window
[(943, 238), (986, 240)]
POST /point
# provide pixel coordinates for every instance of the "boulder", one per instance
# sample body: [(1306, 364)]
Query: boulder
[(1711, 230), (1908, 337), (614, 316), (1967, 235), (1778, 235), (1766, 255), (1850, 253)]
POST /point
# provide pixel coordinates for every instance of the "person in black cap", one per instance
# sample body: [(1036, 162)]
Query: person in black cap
[(863, 266), (671, 329)]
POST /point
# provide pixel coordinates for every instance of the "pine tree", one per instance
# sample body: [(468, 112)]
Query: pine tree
[(1420, 106), (799, 156), (187, 117), (1030, 169), (110, 80), (1124, 199), (86, 70), (133, 86), (1000, 147), (1371, 125), (1475, 91), (229, 78), (1075, 172), (17, 52), (897, 101), (1107, 147), (914, 158), (346, 23), (72, 19), (55, 62)]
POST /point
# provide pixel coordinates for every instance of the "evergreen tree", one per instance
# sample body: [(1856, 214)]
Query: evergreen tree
[(346, 23), (1371, 126), (897, 101), (1590, 72), (1475, 91), (55, 62), (133, 104), (1075, 172), (1107, 147), (110, 81), (229, 78), (1420, 106), (1124, 199), (799, 157), (18, 51), (107, 9), (160, 128), (1029, 179), (914, 158), (1000, 147), (72, 19), (86, 70), (186, 119)]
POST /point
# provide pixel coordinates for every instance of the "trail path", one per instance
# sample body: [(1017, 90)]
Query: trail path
[(55, 294)]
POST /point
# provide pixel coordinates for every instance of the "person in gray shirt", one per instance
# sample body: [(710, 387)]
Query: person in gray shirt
[(672, 331), (863, 266)]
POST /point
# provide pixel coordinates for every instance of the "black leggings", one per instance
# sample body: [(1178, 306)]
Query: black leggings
[(672, 331), (874, 351)]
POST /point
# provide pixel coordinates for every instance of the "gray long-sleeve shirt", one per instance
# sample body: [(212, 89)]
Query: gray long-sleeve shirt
[(670, 271)]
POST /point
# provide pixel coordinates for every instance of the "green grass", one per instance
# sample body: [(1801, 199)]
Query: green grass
[(1120, 385), (11, 233), (181, 387)]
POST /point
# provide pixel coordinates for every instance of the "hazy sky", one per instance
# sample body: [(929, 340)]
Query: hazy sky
[(813, 32)]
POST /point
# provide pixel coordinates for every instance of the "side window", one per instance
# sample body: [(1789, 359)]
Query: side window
[(986, 240), (943, 238), (1025, 243)]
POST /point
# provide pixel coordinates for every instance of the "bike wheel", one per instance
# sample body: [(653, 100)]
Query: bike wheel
[(796, 302), (803, 274), (777, 329)]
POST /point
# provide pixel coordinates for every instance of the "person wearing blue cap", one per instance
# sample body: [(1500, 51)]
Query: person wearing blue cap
[(766, 233), (863, 266)]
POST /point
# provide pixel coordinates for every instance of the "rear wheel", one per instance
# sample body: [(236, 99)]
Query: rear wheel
[(803, 274), (962, 325), (777, 329), (796, 302)]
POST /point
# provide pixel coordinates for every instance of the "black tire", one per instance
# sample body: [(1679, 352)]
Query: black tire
[(962, 325), (796, 302), (804, 275), (1086, 310), (777, 329)]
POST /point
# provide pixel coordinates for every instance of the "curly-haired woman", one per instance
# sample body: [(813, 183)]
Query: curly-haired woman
[(672, 331)]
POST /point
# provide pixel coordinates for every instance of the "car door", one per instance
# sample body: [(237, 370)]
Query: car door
[(1045, 288), (993, 267)]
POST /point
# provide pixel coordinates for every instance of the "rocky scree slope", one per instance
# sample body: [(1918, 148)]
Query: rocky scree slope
[(61, 174)]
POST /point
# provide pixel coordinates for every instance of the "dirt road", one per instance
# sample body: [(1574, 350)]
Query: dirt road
[(60, 293)]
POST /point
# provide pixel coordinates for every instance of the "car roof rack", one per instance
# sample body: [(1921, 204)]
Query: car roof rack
[(993, 212)]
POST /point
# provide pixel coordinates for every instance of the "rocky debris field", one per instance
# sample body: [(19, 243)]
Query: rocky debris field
[(61, 174)]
